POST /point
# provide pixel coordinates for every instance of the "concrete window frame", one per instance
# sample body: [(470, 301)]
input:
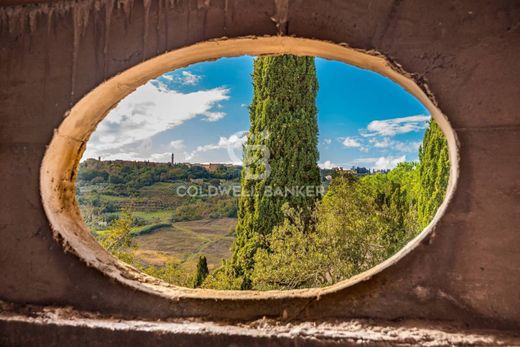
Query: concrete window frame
[(60, 163)]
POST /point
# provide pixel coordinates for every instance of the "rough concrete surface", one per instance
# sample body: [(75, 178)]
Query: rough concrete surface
[(89, 329), (466, 272)]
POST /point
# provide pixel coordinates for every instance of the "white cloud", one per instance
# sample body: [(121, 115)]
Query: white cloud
[(388, 143), (394, 126), (214, 116), (411, 146), (234, 141), (381, 163), (327, 141), (152, 109), (161, 157), (351, 142), (202, 149), (384, 143), (189, 79), (177, 144), (186, 78), (123, 156), (386, 163), (328, 165), (231, 143), (365, 160)]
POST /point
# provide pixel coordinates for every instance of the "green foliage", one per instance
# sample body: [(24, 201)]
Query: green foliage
[(362, 220), (137, 174), (101, 203), (222, 279), (433, 173), (214, 207), (201, 272), (170, 272), (150, 228), (297, 257), (356, 227), (395, 198), (349, 238), (284, 242), (283, 118), (118, 238)]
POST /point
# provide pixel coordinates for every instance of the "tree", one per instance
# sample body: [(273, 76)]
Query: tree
[(297, 257), (201, 273), (118, 240), (170, 272), (220, 279), (395, 198), (349, 238), (354, 227), (281, 152), (434, 171)]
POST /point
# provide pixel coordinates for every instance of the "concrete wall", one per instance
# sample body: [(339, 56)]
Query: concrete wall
[(468, 52)]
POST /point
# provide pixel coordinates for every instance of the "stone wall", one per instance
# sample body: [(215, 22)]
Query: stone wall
[(465, 52)]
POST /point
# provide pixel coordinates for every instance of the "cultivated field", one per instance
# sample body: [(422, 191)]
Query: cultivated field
[(185, 241)]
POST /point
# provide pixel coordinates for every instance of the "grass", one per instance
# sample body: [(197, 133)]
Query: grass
[(186, 241), (159, 241), (154, 217)]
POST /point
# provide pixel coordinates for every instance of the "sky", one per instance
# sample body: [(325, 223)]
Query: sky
[(200, 113)]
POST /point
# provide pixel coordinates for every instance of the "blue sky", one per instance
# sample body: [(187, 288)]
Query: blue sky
[(200, 113)]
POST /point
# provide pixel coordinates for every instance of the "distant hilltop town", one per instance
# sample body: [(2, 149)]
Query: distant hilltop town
[(210, 167), (145, 172)]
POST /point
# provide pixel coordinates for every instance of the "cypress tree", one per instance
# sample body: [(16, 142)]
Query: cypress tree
[(281, 152), (201, 273), (434, 171)]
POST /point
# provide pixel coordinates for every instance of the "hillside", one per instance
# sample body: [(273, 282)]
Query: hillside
[(167, 223)]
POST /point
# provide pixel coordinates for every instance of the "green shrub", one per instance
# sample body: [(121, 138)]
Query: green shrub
[(150, 228)]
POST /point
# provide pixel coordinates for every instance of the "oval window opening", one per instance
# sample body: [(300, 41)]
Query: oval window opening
[(260, 173), (349, 145)]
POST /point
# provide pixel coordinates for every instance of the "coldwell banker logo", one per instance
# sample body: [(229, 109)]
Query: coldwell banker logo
[(256, 156), (255, 166)]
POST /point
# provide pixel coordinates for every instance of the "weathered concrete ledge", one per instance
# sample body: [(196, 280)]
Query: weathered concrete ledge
[(45, 326)]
